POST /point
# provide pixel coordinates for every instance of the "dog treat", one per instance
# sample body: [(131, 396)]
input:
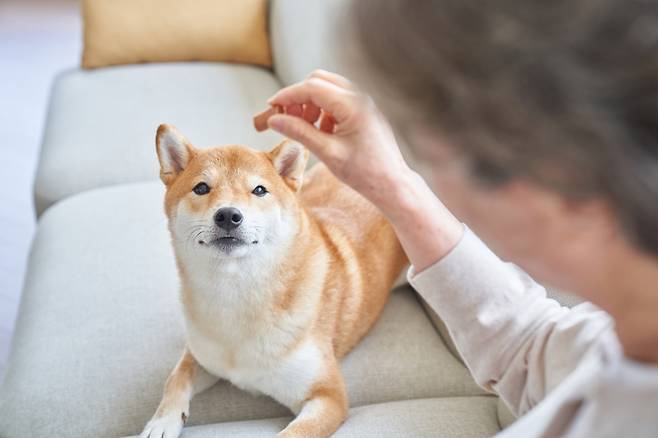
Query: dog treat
[(260, 120)]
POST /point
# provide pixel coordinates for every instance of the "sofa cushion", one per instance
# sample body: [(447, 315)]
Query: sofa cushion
[(99, 329), (454, 417), (303, 37), (132, 31), (101, 124)]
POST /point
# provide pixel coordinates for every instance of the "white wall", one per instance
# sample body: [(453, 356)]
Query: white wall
[(38, 38)]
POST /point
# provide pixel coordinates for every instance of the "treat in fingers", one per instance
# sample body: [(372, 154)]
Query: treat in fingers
[(260, 120)]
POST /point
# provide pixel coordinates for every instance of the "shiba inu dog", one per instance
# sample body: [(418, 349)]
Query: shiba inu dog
[(282, 274)]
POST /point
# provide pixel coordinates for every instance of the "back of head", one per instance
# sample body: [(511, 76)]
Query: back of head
[(563, 93)]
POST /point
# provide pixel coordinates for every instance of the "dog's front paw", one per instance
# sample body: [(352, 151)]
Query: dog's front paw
[(166, 426), (293, 432)]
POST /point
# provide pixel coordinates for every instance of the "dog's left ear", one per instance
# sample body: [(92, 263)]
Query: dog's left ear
[(289, 159)]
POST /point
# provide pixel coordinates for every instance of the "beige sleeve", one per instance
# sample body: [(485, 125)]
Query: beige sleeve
[(516, 342)]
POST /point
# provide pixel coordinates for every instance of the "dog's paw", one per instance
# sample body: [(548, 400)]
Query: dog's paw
[(166, 426), (289, 432)]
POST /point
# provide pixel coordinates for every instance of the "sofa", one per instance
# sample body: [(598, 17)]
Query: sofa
[(99, 326)]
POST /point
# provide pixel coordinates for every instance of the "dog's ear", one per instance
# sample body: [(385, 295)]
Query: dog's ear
[(174, 152), (289, 159)]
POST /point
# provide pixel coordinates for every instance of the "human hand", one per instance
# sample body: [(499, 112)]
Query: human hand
[(357, 144), (352, 137)]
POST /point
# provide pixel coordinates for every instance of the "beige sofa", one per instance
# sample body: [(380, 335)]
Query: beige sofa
[(99, 325)]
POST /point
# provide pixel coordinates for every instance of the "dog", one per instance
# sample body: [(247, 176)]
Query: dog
[(282, 273)]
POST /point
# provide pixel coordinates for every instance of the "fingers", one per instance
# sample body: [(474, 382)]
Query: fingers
[(296, 109), (301, 131), (311, 113), (334, 78), (327, 123), (337, 101)]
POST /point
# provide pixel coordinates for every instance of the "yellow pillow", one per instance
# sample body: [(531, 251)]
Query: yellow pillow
[(131, 31)]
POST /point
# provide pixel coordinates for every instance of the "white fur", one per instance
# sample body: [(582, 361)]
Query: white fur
[(174, 155), (228, 295), (167, 426), (290, 159), (287, 381), (273, 230)]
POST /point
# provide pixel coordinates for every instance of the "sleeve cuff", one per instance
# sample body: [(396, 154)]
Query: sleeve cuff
[(468, 248)]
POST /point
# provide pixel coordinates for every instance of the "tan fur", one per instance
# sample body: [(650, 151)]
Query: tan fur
[(344, 253), (365, 254), (178, 383)]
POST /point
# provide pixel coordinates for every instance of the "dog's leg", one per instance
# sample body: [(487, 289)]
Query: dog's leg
[(187, 378), (323, 411)]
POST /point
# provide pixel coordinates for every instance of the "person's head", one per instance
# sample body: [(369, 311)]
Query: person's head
[(539, 118)]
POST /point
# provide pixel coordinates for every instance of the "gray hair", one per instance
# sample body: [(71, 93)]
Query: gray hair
[(560, 92)]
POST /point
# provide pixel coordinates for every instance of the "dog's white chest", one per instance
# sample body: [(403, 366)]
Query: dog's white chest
[(252, 366), (256, 353)]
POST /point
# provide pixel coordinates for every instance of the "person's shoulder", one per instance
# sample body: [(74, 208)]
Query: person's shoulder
[(600, 328), (587, 308)]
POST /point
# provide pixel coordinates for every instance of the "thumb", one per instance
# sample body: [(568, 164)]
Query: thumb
[(300, 131)]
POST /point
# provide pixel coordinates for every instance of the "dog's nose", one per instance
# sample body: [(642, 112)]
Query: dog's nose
[(228, 218)]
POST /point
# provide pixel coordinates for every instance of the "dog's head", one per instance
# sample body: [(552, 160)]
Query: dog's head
[(232, 201)]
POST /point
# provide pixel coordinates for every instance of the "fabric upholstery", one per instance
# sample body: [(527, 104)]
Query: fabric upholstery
[(441, 329), (101, 124), (99, 330), (303, 36), (505, 416), (453, 417), (133, 31)]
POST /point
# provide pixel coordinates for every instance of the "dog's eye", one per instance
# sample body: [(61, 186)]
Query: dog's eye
[(201, 189), (259, 191)]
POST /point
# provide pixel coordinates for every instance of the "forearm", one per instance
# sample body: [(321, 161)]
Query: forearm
[(426, 228)]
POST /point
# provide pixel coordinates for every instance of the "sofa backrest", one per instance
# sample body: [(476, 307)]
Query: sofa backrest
[(301, 34)]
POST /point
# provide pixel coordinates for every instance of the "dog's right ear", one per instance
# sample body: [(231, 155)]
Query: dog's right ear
[(174, 152)]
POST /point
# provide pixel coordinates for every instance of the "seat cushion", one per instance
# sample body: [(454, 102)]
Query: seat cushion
[(99, 329), (454, 417), (101, 124)]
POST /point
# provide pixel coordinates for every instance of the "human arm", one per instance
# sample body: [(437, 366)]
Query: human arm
[(515, 341)]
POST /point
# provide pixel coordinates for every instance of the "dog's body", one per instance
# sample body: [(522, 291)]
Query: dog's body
[(279, 278)]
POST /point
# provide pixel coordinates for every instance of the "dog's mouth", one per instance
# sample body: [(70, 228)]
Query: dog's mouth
[(229, 240), (225, 243)]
